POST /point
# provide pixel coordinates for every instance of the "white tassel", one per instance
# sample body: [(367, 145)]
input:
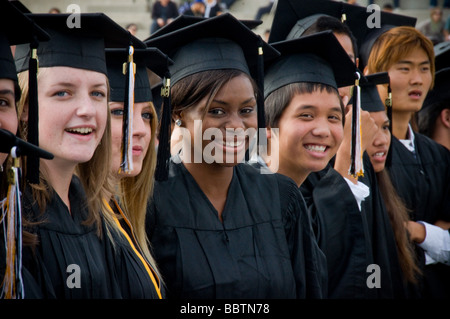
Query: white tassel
[(127, 150), (357, 167)]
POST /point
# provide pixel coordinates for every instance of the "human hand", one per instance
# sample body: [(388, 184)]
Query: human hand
[(443, 224), (368, 128), (416, 231)]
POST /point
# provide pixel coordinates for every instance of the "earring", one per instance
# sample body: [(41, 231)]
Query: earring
[(178, 122)]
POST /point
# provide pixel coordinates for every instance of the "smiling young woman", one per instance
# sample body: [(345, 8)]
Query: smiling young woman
[(134, 184), (220, 228), (81, 250)]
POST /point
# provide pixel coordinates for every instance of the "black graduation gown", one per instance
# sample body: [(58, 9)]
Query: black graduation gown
[(135, 280), (263, 249), (31, 287), (68, 249), (423, 182), (352, 239)]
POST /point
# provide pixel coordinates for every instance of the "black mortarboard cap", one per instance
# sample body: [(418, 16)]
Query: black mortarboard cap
[(288, 14), (157, 98), (370, 99), (220, 42), (81, 46), (123, 80), (293, 17), (437, 100), (149, 58), (441, 89), (316, 58), (183, 21), (20, 6), (15, 28), (442, 55)]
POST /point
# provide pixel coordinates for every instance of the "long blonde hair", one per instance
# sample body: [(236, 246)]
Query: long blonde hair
[(135, 192)]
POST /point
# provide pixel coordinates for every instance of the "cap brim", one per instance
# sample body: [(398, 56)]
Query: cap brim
[(9, 140), (375, 79), (183, 21), (288, 12), (18, 27), (20, 6), (370, 98)]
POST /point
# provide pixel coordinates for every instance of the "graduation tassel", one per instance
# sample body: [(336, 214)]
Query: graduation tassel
[(343, 14), (33, 114), (12, 285), (388, 104), (129, 70), (165, 131), (260, 97), (356, 167)]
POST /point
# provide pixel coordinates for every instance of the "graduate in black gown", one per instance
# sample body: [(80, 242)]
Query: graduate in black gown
[(219, 228), (291, 84), (363, 235), (432, 119), (378, 153), (80, 250), (345, 232), (420, 169), (16, 280), (133, 175)]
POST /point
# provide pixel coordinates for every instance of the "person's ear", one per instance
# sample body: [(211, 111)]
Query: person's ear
[(268, 132), (445, 117), (366, 69), (177, 118), (24, 114)]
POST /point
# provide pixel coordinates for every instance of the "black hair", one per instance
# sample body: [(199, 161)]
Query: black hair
[(426, 117), (277, 101), (17, 91), (325, 23)]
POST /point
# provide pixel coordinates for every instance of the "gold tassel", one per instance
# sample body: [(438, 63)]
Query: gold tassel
[(356, 167), (12, 285)]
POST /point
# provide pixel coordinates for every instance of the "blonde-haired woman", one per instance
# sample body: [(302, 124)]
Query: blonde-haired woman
[(134, 184), (81, 252)]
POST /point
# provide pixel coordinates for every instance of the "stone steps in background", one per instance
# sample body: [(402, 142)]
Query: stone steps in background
[(138, 11)]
